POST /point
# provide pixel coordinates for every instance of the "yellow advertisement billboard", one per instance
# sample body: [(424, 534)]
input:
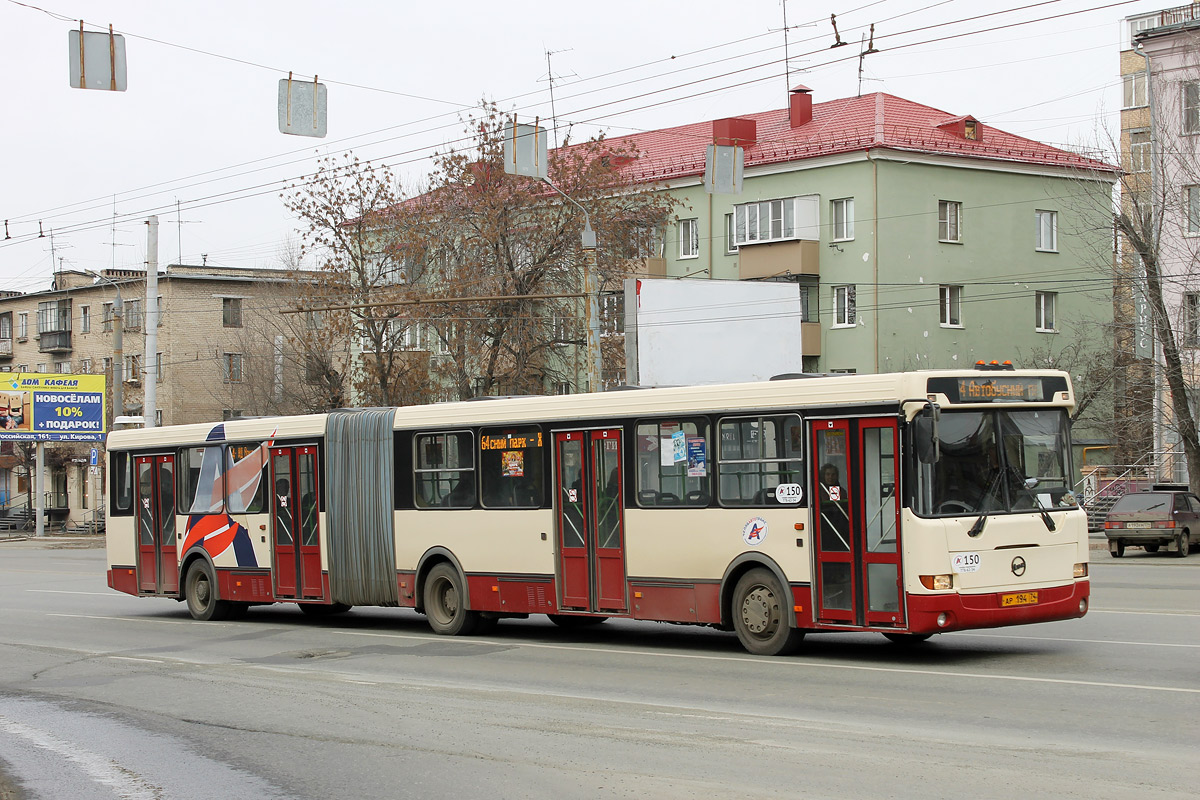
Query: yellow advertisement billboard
[(52, 408)]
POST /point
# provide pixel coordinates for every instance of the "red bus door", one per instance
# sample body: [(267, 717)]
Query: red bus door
[(295, 523), (591, 520), (158, 559), (856, 522)]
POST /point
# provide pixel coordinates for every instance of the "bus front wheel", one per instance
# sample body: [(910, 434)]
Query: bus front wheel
[(201, 588), (760, 615), (445, 603)]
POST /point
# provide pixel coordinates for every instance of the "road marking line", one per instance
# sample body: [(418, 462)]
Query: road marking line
[(785, 662), (1061, 639), (131, 658), (123, 781), (810, 664), (1150, 613), (64, 591)]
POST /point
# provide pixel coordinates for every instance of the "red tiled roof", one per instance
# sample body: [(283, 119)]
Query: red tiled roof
[(841, 126)]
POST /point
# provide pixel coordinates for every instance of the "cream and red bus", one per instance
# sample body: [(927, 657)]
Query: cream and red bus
[(904, 503)]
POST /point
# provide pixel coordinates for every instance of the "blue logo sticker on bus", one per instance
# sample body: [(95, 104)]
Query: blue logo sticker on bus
[(755, 531)]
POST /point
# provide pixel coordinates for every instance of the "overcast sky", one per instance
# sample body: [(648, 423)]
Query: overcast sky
[(198, 124)]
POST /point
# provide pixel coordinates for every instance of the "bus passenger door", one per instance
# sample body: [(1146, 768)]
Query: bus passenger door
[(295, 528), (591, 520), (856, 517), (158, 560)]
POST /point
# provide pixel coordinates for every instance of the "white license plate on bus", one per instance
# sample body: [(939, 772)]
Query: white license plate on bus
[(1139, 525), (1019, 599)]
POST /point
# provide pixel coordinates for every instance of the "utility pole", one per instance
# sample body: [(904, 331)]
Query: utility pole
[(150, 361), (118, 353)]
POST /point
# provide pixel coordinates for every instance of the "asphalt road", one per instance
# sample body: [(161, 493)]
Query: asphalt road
[(104, 695)]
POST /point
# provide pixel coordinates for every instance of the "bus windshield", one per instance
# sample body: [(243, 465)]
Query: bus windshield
[(997, 461)]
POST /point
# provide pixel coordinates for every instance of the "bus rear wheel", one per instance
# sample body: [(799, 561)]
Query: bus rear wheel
[(201, 589), (445, 603), (760, 615)]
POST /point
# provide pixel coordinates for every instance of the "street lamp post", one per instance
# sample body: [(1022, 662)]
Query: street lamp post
[(118, 353)]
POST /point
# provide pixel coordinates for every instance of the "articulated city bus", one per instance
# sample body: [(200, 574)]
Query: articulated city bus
[(906, 504)]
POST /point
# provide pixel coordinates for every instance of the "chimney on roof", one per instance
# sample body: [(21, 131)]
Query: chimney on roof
[(800, 106), (734, 132)]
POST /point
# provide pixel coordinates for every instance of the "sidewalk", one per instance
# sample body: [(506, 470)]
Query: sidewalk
[(52, 541)]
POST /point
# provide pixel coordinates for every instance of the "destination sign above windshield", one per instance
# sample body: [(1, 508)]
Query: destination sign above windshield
[(998, 389)]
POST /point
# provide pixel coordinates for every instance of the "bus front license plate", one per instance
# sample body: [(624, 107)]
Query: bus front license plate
[(1019, 599)]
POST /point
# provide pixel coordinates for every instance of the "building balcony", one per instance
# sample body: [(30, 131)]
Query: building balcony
[(775, 259), (6, 348), (54, 341), (646, 267)]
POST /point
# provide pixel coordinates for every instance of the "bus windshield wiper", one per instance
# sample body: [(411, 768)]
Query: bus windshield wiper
[(1030, 483)]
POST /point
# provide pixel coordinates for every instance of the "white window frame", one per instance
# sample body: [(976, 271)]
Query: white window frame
[(764, 221), (23, 325), (1133, 90), (689, 238), (1191, 210), (1045, 227), (1043, 302), (1189, 102), (950, 303), (731, 246), (85, 319), (841, 219), (231, 312), (85, 366), (950, 221), (1139, 151), (1191, 319), (845, 307)]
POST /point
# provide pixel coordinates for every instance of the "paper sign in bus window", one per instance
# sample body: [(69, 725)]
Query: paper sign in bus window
[(696, 460), (512, 463)]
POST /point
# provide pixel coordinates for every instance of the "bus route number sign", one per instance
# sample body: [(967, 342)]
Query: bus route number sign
[(789, 494), (965, 562)]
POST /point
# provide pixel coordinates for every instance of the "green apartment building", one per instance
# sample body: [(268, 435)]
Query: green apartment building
[(920, 239)]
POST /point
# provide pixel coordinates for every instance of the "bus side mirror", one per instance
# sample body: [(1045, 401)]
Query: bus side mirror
[(928, 444)]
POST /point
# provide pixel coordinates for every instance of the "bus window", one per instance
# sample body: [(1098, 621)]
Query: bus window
[(200, 473), (122, 482), (445, 470), (246, 478), (673, 463), (510, 467), (757, 454)]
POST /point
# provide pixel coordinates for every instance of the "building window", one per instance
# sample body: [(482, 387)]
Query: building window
[(562, 387), (23, 325), (85, 366), (54, 316), (132, 314), (1191, 319), (612, 314), (85, 319), (232, 413), (158, 366), (62, 366), (41, 367), (233, 367), (133, 368), (1134, 90), (1191, 202), (6, 326), (730, 243), (1139, 151), (844, 311), (409, 337), (1191, 107), (950, 298), (1047, 231), (843, 219), (1044, 311), (949, 221), (106, 317), (768, 221), (231, 312), (689, 238)]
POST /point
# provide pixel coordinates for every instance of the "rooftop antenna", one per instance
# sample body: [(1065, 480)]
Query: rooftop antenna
[(862, 54), (550, 76), (179, 223), (787, 61)]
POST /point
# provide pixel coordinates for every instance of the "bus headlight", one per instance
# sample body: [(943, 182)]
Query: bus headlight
[(1081, 570), (938, 582)]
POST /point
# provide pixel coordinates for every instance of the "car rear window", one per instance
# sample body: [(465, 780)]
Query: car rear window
[(1145, 501)]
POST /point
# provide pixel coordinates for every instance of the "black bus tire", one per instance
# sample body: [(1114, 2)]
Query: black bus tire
[(760, 615), (203, 601), (445, 603)]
